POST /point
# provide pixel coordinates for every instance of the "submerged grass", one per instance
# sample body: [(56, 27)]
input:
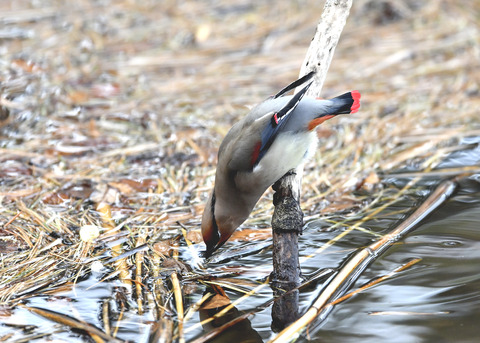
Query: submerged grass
[(113, 120)]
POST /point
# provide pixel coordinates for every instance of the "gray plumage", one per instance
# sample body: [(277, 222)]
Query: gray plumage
[(257, 151)]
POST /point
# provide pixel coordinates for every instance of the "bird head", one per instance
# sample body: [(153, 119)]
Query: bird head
[(210, 230), (220, 219)]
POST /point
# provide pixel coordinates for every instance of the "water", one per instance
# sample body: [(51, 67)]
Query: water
[(437, 299)]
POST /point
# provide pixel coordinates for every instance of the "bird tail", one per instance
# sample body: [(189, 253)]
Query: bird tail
[(342, 104), (347, 103)]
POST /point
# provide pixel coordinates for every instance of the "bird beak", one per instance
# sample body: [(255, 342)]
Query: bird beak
[(210, 231)]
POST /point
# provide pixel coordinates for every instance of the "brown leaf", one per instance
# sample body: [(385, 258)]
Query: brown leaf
[(142, 185), (175, 265), (27, 66), (122, 187), (55, 198), (71, 190), (252, 234), (369, 182), (216, 301), (78, 97), (163, 247), (195, 236)]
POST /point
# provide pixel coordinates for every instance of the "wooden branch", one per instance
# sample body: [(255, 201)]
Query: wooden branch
[(321, 50), (287, 220), (318, 57)]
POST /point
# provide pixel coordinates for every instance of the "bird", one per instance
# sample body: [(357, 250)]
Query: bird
[(276, 136)]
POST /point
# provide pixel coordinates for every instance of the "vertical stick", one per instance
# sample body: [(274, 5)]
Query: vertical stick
[(287, 220), (321, 50), (287, 223)]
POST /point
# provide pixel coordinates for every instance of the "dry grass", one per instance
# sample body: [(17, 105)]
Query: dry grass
[(114, 118)]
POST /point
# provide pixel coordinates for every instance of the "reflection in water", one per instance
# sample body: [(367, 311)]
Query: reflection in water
[(241, 332), (285, 308)]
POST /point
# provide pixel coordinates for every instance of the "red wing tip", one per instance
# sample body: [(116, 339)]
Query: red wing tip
[(356, 101), (275, 118)]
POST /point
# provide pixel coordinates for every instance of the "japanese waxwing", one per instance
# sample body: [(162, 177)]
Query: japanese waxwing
[(276, 136)]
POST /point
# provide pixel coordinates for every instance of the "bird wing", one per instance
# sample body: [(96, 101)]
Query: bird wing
[(274, 126), (248, 140), (295, 84)]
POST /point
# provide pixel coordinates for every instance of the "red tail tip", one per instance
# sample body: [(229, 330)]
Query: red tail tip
[(356, 101)]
